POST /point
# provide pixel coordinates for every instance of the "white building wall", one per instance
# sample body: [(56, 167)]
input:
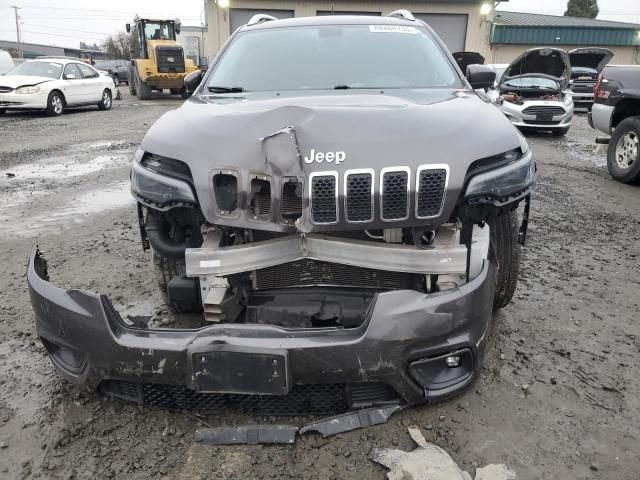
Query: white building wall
[(477, 27)]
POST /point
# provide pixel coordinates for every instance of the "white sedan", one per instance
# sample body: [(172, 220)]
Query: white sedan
[(53, 84)]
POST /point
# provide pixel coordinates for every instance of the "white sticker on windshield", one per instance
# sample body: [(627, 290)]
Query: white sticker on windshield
[(392, 29)]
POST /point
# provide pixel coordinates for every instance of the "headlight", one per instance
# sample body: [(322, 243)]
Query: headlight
[(161, 187), (503, 181), (29, 89), (568, 99)]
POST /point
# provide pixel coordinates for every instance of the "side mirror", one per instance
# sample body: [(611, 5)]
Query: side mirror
[(128, 26), (71, 76), (192, 81), (481, 76)]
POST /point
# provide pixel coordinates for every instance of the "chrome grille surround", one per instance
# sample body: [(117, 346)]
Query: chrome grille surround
[(350, 199), (427, 168), (322, 210), (385, 199)]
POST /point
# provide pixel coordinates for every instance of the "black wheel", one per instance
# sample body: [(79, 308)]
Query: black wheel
[(106, 101), (504, 253), (165, 269), (184, 94), (175, 91), (143, 91), (131, 83), (561, 132), (623, 155), (55, 104)]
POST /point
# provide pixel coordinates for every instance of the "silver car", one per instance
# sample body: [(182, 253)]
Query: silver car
[(532, 91)]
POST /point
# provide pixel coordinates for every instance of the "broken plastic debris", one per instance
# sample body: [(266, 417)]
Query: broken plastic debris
[(351, 421), (430, 462), (247, 434)]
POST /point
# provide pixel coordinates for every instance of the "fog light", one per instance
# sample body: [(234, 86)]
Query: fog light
[(452, 361)]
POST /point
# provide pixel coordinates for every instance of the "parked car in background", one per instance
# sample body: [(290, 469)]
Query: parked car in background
[(53, 84), (6, 62), (532, 91), (616, 111), (586, 65), (117, 69)]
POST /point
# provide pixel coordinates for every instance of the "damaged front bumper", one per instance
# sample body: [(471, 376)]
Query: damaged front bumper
[(404, 345)]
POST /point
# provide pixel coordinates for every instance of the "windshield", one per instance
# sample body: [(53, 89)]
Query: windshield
[(532, 82), (333, 56), (158, 31), (38, 69)]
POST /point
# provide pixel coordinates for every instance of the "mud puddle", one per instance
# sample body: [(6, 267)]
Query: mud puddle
[(74, 211)]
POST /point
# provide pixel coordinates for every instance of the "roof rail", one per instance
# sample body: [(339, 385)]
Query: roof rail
[(404, 14), (259, 18)]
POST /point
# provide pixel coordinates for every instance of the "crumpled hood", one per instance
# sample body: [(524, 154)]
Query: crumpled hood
[(553, 62), (15, 81), (405, 128)]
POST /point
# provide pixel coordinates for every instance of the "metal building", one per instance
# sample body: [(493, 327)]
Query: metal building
[(514, 32)]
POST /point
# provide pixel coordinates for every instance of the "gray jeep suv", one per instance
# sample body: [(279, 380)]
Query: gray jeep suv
[(335, 211)]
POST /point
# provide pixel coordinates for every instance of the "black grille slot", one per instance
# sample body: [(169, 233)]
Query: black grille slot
[(307, 272), (395, 195), (225, 188), (359, 196), (323, 199), (170, 59), (544, 109), (316, 399), (5, 89), (366, 394), (291, 204), (260, 204), (431, 190)]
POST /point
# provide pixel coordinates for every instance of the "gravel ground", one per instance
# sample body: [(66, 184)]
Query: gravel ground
[(558, 397)]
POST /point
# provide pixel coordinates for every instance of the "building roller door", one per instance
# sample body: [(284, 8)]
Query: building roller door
[(451, 28)]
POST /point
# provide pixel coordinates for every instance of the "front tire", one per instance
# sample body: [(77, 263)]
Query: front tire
[(623, 154), (131, 83), (143, 91), (106, 101), (55, 104), (505, 252)]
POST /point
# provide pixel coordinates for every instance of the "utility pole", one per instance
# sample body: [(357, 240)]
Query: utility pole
[(15, 10)]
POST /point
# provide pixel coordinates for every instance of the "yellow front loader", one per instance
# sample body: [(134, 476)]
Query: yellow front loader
[(161, 64)]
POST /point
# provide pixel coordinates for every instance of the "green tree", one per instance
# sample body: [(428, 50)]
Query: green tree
[(89, 46), (122, 44), (582, 8)]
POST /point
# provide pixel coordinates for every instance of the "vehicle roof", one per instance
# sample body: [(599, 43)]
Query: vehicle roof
[(333, 20), (63, 60)]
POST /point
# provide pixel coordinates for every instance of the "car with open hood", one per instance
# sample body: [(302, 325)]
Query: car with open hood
[(52, 84), (335, 212), (586, 65), (532, 91)]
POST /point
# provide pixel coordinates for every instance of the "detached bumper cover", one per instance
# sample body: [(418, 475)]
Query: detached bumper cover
[(405, 330)]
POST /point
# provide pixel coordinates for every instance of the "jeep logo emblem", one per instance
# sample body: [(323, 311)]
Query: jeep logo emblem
[(171, 59), (330, 157)]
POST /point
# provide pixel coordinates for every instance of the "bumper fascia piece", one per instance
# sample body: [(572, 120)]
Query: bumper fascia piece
[(403, 327), (519, 119)]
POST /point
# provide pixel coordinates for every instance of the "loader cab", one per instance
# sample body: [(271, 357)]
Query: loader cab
[(155, 31)]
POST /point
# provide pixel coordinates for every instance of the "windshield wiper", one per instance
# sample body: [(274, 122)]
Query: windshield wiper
[(219, 89)]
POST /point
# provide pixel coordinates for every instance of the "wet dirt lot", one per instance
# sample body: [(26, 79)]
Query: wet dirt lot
[(559, 396)]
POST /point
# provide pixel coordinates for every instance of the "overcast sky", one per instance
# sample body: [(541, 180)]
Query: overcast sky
[(67, 22)]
